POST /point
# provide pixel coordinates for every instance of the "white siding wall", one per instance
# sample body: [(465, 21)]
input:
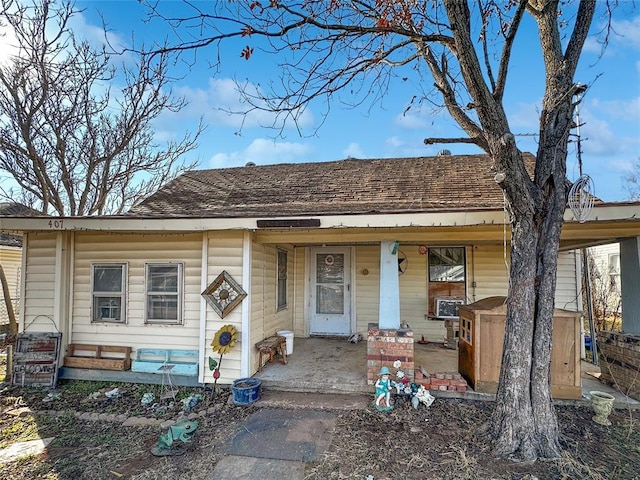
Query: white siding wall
[(11, 261), (567, 288), (413, 292), (38, 312), (257, 300), (489, 272), (600, 255), (136, 251), (298, 290), (367, 286), (492, 276), (265, 319), (225, 252)]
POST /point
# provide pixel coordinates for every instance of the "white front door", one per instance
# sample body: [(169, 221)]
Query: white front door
[(330, 291)]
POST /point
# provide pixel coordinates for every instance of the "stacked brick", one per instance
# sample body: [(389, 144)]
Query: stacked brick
[(451, 382), (385, 346), (620, 362)]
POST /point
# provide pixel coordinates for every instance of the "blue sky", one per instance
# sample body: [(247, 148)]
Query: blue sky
[(610, 110)]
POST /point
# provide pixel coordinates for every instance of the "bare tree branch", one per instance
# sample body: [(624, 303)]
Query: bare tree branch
[(66, 139), (350, 50)]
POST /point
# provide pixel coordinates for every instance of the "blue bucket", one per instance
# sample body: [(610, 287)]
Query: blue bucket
[(246, 390)]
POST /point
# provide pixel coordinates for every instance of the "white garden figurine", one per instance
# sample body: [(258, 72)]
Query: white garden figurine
[(422, 396)]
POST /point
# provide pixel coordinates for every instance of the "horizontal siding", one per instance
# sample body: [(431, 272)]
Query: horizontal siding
[(489, 272), (567, 289), (600, 255), (367, 286), (11, 261), (257, 300), (491, 276), (225, 252), (265, 319), (413, 292), (40, 281), (298, 283), (136, 251)]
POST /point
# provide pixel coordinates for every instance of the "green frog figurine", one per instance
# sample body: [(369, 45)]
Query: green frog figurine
[(176, 440)]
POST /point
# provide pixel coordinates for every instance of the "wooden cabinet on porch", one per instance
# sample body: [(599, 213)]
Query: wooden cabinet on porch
[(482, 327)]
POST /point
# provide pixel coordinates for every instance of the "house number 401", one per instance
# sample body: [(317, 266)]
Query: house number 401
[(55, 223)]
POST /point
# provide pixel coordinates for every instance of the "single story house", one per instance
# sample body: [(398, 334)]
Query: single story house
[(310, 245)]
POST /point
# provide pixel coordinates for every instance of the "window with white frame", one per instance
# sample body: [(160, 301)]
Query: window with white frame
[(108, 286), (614, 270), (164, 293), (282, 279), (614, 264)]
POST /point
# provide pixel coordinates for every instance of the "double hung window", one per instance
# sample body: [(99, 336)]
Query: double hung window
[(164, 293), (109, 292)]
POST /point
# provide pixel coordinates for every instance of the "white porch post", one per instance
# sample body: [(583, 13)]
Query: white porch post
[(389, 310), (630, 284)]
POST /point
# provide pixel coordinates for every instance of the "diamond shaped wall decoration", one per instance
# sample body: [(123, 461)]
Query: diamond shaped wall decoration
[(224, 294)]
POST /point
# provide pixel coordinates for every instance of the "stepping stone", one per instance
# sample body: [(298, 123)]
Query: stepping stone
[(22, 449)]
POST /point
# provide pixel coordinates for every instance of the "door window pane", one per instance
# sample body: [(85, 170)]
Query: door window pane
[(330, 299), (330, 268)]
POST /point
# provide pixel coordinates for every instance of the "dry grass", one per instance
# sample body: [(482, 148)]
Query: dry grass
[(433, 443)]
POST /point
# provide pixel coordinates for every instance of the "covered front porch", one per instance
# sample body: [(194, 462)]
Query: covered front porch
[(334, 365)]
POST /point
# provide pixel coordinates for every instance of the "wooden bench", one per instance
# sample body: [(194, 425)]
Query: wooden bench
[(159, 360), (272, 346), (101, 357)]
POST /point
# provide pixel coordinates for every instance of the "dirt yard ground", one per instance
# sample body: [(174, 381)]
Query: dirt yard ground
[(429, 443)]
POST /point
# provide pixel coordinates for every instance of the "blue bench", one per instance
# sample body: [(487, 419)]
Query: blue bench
[(155, 360)]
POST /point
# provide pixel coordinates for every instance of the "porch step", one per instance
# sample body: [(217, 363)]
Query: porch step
[(315, 401)]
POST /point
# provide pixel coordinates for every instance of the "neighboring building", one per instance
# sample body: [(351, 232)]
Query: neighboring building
[(606, 284), (11, 258), (308, 243)]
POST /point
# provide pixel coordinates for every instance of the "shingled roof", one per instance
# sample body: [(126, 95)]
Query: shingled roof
[(345, 187), (13, 209)]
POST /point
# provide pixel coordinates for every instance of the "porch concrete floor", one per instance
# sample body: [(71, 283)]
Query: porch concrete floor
[(336, 365)]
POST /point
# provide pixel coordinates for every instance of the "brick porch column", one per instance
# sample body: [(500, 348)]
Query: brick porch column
[(385, 346)]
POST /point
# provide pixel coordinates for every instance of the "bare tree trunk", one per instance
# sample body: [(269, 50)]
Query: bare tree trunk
[(13, 324)]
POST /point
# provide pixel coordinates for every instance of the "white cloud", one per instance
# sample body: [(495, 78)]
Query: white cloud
[(394, 142), (263, 152), (625, 165), (598, 139), (524, 118), (354, 150), (95, 34), (627, 32), (222, 103), (411, 121), (617, 109), (7, 43)]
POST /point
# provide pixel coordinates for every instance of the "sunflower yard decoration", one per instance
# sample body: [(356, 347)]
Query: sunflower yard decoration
[(223, 341)]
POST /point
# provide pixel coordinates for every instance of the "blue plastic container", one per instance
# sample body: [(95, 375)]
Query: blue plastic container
[(246, 390)]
